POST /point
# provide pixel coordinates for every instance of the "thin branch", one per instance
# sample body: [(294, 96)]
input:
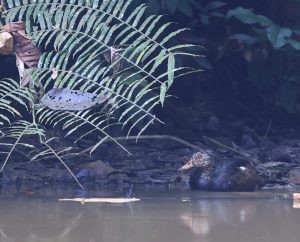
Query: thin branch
[(13, 147), (268, 129), (244, 156), (64, 163), (145, 137)]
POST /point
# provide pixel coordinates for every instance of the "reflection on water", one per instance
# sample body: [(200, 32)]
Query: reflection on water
[(159, 217)]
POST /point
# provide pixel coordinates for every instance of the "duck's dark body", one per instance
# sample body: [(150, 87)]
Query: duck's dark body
[(226, 176)]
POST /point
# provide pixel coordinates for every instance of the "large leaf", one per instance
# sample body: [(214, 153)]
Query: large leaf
[(171, 5), (248, 17), (278, 36)]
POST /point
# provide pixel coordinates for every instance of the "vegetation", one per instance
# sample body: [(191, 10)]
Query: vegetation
[(94, 52), (260, 37), (122, 58)]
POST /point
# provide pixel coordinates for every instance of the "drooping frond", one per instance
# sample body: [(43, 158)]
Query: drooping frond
[(16, 132), (20, 130), (72, 122), (50, 149)]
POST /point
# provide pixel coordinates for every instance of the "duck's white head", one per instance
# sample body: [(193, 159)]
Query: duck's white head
[(200, 159)]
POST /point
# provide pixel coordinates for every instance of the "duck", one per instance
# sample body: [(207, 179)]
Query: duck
[(209, 174)]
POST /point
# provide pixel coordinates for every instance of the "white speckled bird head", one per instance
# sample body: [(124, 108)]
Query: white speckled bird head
[(200, 159)]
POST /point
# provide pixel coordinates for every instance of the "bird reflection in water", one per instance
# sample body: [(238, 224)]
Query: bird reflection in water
[(209, 214)]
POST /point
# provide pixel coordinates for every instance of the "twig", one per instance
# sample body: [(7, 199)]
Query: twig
[(255, 134), (268, 129), (145, 137), (65, 165), (233, 150)]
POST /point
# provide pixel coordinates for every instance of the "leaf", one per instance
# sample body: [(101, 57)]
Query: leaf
[(171, 68), (171, 5), (204, 63), (248, 17), (163, 90), (98, 144), (54, 74), (67, 99), (185, 7), (294, 43), (6, 43), (278, 36), (214, 5)]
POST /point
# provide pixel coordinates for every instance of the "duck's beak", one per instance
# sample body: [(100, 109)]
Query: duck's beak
[(187, 166)]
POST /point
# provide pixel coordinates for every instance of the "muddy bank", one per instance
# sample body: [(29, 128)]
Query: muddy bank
[(154, 163)]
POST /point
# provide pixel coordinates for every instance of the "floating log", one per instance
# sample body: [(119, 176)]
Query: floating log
[(296, 196), (296, 204), (99, 200)]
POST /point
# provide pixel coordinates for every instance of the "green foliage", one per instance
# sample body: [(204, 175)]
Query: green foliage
[(277, 35), (79, 36), (264, 35), (11, 93)]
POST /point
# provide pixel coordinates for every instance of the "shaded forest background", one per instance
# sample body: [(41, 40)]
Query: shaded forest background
[(251, 73)]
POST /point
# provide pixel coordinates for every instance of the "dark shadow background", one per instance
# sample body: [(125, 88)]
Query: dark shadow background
[(248, 82)]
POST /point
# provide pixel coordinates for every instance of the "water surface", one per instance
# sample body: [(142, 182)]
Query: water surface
[(158, 217)]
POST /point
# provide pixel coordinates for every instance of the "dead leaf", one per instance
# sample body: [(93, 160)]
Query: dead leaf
[(24, 48), (6, 43), (54, 74), (72, 100), (26, 78), (25, 74), (14, 26), (112, 56)]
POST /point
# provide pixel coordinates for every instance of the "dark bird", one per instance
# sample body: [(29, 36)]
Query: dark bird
[(212, 175)]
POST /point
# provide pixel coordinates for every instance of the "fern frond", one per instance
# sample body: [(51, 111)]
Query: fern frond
[(72, 121), (12, 95), (130, 104), (16, 132), (50, 149), (91, 27)]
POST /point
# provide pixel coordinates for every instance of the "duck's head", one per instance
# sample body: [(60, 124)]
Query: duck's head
[(200, 159)]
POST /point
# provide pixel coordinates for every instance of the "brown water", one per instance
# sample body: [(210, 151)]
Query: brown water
[(158, 217)]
